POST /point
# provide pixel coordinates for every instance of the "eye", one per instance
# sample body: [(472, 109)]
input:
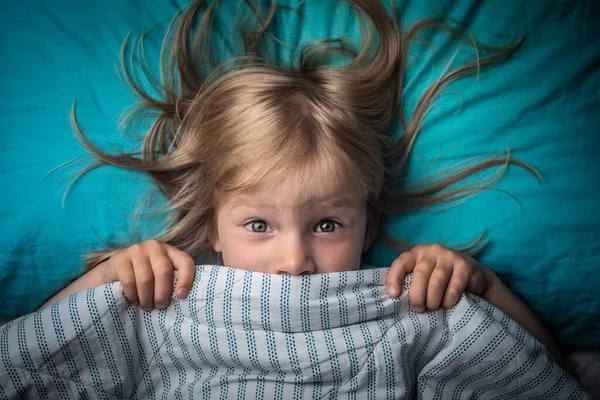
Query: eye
[(257, 226), (327, 225)]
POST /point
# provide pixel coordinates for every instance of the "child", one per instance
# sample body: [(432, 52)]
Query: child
[(286, 170)]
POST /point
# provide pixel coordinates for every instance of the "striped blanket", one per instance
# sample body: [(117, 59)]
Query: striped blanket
[(242, 334)]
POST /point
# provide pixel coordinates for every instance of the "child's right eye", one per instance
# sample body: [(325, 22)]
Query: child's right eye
[(257, 226)]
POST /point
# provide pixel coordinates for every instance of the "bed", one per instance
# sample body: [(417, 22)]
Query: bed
[(542, 105)]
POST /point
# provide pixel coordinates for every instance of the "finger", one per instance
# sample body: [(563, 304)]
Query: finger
[(403, 264), (144, 280), (456, 287), (186, 268), (420, 280), (438, 282), (127, 279), (162, 269)]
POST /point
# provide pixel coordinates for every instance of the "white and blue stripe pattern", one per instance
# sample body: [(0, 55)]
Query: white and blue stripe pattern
[(246, 335)]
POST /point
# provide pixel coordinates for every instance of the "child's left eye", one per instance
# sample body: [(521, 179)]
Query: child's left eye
[(327, 226)]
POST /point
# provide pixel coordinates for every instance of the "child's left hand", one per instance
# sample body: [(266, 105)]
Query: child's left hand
[(440, 276)]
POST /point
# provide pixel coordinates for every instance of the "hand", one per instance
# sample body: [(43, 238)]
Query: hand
[(440, 276), (146, 273)]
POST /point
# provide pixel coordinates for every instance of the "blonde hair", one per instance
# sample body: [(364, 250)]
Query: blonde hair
[(249, 114)]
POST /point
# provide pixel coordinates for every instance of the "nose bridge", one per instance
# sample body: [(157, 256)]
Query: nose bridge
[(294, 256)]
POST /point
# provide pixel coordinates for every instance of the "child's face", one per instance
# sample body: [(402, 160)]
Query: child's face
[(292, 230)]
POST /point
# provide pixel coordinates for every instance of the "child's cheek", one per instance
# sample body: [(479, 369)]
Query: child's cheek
[(338, 256), (247, 254)]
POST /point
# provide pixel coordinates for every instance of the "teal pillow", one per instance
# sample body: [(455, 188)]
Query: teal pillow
[(542, 103)]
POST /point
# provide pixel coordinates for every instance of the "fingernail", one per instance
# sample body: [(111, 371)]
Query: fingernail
[(146, 308), (392, 291), (182, 293)]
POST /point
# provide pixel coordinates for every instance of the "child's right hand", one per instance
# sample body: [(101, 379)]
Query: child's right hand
[(145, 271)]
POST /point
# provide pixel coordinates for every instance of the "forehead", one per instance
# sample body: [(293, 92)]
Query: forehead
[(302, 186), (287, 194)]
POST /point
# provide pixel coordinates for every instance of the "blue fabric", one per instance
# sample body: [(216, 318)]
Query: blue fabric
[(542, 103)]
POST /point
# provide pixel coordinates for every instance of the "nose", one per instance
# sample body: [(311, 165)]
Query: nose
[(294, 258)]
